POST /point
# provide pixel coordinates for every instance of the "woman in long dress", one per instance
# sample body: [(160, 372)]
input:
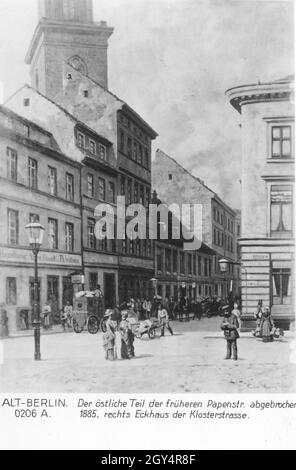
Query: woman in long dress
[(127, 337), (267, 326), (109, 340)]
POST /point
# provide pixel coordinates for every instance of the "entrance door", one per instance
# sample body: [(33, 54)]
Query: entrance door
[(67, 291), (53, 298), (109, 290)]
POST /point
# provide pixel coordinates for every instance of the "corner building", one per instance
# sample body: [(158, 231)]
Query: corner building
[(267, 229)]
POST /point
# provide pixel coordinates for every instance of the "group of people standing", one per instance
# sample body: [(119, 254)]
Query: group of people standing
[(118, 340)]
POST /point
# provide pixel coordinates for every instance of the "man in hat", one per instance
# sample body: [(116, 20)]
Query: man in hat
[(230, 327)]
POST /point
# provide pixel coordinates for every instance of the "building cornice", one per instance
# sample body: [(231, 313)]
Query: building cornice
[(46, 25), (260, 92)]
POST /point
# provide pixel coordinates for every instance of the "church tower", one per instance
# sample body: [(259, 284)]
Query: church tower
[(66, 32)]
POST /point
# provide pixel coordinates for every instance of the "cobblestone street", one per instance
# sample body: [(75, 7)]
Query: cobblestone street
[(190, 361)]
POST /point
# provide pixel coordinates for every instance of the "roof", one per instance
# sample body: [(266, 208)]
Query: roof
[(65, 111), (125, 106), (14, 115), (214, 195)]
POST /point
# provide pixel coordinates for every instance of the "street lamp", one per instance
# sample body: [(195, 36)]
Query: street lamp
[(224, 263), (35, 232), (154, 284)]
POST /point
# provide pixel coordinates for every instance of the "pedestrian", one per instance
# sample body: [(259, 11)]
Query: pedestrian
[(163, 318), (98, 292), (109, 336), (3, 321), (230, 327), (63, 319), (267, 326), (236, 312), (127, 337), (46, 315), (68, 310)]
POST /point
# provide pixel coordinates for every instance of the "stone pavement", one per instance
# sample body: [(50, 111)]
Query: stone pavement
[(192, 360)]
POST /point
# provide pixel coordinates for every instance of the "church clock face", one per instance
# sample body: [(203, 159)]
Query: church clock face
[(78, 64)]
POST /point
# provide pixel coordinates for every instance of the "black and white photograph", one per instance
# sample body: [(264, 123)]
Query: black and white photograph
[(146, 197)]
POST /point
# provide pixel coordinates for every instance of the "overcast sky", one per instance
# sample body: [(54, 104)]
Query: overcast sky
[(172, 61)]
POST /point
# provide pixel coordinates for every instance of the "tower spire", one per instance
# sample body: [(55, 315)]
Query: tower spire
[(67, 32)]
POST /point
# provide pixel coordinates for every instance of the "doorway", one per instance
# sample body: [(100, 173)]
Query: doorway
[(109, 290), (53, 298), (67, 290)]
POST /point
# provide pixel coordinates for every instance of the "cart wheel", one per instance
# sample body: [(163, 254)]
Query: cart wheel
[(151, 333), (103, 325), (93, 325), (76, 327)]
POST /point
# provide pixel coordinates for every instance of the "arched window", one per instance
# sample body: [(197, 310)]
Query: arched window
[(78, 64)]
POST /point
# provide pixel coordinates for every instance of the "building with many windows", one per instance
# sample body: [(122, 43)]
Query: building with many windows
[(267, 231), (175, 185), (39, 183)]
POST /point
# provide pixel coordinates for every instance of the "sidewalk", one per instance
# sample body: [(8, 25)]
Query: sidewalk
[(55, 329)]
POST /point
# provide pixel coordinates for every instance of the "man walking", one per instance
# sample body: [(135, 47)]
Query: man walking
[(230, 326), (163, 318)]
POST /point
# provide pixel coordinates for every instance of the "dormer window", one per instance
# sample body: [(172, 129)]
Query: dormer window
[(92, 147), (80, 140), (102, 152)]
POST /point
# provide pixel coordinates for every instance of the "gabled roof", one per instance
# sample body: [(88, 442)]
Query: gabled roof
[(73, 118), (125, 106)]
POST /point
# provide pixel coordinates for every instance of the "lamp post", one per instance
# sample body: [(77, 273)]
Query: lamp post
[(224, 263), (154, 284), (35, 232)]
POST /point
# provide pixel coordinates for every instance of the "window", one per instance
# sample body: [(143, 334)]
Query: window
[(12, 226), (69, 237), (147, 197), (92, 147), (69, 187), (194, 265), (11, 164), (26, 102), (91, 241), (135, 151), (146, 158), (281, 208), (80, 140), (129, 191), (159, 259), (33, 173), (90, 185), (121, 141), (102, 189), (182, 263), (112, 191), (26, 130), (142, 195), (93, 281), (281, 286), (11, 294), (199, 265), (175, 261), (102, 152), (140, 155), (53, 234), (206, 273), (129, 147), (168, 259), (238, 230), (33, 218), (123, 246), (85, 93), (136, 192), (52, 181), (122, 186), (210, 267), (189, 263), (281, 140)]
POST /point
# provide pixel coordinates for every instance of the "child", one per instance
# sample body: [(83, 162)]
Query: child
[(230, 326)]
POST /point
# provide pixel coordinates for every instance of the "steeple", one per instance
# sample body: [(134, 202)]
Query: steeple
[(67, 32), (80, 11)]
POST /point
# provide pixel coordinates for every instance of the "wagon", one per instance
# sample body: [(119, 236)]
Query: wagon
[(148, 327), (88, 311)]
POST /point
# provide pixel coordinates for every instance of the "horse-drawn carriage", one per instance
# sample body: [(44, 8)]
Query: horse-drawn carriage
[(88, 312)]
